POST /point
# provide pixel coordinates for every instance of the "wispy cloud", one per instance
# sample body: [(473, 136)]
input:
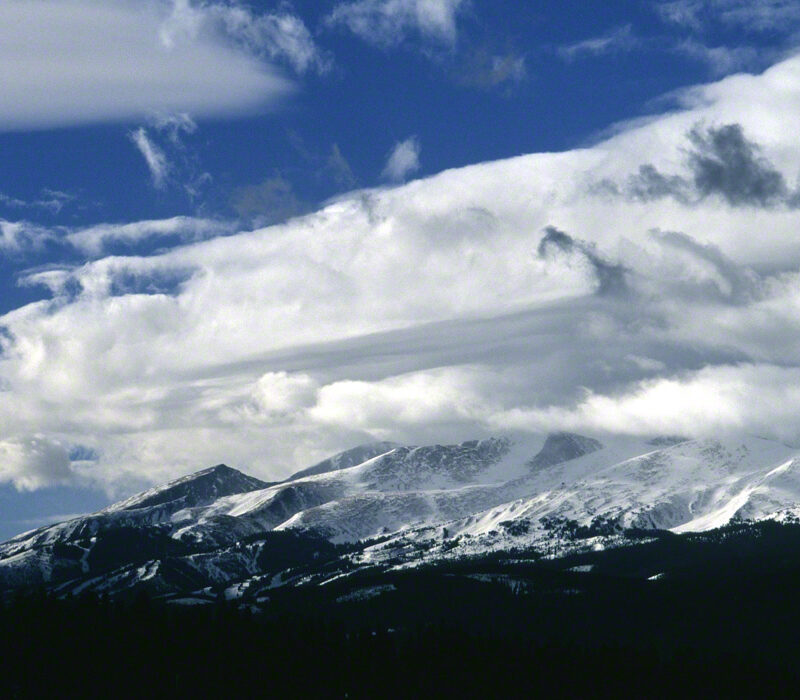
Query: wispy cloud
[(94, 240), (52, 201), (280, 36), (271, 201), (172, 161), (389, 23), (722, 60), (619, 39), (403, 160), (486, 70), (749, 15), (154, 157), (22, 236)]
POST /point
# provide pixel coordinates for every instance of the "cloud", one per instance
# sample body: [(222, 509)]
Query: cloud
[(619, 39), (760, 399), (154, 157), (94, 240), (169, 153), (403, 160), (433, 398), (683, 12), (501, 296), (722, 162), (338, 169), (721, 59), (762, 15), (52, 201), (174, 125), (32, 462), (272, 201), (485, 70), (22, 236), (610, 276), (280, 36), (281, 392), (750, 15), (388, 23), (154, 57)]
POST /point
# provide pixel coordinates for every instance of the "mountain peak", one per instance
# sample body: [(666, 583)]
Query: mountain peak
[(200, 488), (344, 460), (562, 447)]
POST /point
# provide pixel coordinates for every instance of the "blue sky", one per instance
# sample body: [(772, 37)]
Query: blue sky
[(146, 149)]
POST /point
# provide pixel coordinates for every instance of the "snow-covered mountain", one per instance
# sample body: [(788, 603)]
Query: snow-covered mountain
[(392, 506)]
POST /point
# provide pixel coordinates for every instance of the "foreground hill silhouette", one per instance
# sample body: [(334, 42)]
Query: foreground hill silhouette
[(724, 622)]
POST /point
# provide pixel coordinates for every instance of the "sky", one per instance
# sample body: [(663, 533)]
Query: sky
[(259, 233)]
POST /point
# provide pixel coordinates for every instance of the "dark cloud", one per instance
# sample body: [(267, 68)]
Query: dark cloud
[(649, 183), (723, 163), (734, 284), (553, 238), (610, 276)]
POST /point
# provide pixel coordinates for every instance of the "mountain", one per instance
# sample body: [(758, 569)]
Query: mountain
[(343, 460), (389, 507)]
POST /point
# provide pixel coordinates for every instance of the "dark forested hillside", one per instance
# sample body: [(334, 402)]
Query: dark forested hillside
[(724, 620)]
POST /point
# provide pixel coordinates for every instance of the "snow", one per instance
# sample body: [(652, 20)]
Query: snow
[(366, 593), (440, 502)]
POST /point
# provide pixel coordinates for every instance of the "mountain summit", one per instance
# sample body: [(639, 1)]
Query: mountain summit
[(198, 489)]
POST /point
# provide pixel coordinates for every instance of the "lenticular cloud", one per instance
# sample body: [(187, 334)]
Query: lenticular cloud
[(647, 284)]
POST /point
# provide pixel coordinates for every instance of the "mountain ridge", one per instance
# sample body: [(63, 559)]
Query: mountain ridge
[(407, 505)]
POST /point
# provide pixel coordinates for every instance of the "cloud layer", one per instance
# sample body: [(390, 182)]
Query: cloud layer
[(647, 284), (71, 62)]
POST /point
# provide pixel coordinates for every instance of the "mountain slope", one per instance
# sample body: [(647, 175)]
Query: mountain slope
[(552, 494)]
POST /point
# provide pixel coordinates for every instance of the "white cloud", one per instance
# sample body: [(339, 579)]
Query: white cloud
[(174, 125), (391, 22), (70, 62), (32, 462), (764, 15), (154, 157), (20, 236), (517, 294), (280, 36), (52, 201), (751, 15), (619, 39), (281, 392), (403, 160), (93, 240), (432, 399), (759, 399), (684, 12), (721, 59)]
